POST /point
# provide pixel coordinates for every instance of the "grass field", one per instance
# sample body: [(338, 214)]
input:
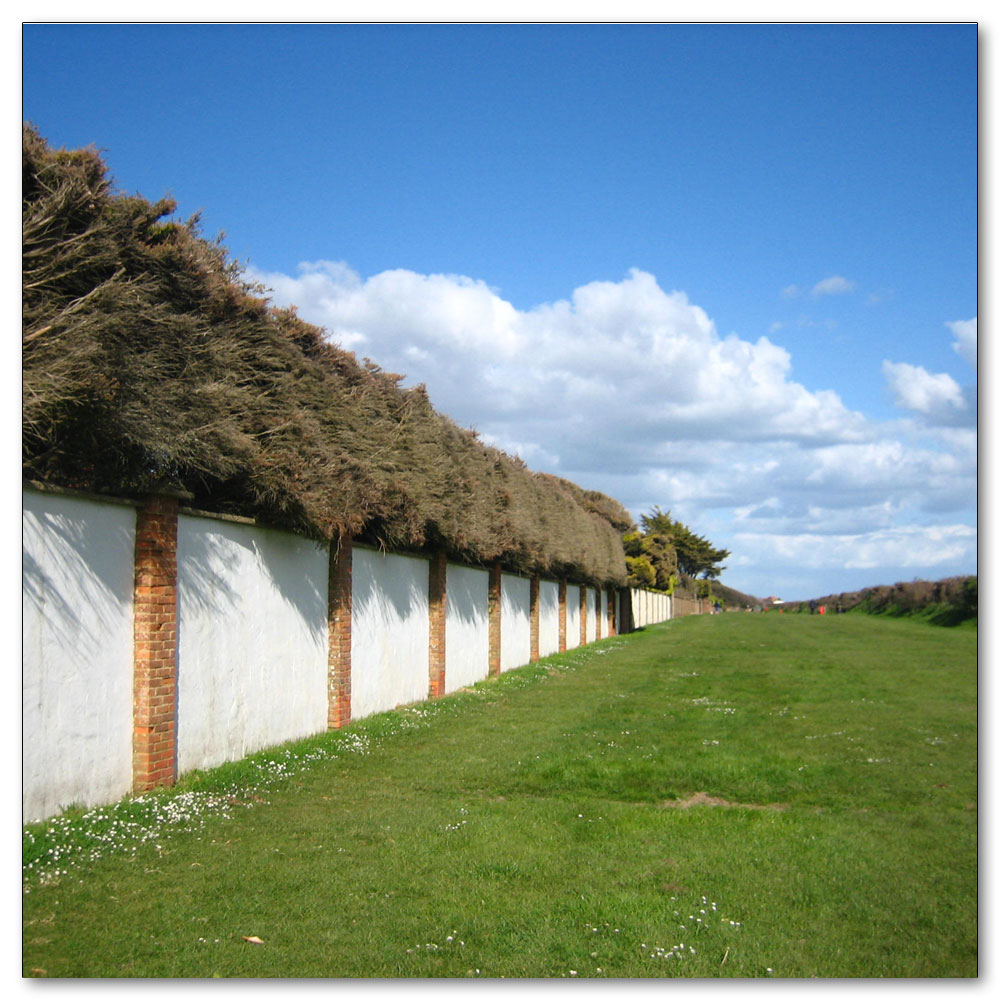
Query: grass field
[(736, 795)]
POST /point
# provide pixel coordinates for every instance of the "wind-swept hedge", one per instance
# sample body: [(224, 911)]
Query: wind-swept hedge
[(149, 362)]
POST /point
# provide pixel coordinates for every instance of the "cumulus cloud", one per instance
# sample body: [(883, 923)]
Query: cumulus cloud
[(834, 285), (937, 398), (966, 343), (628, 388), (884, 467), (907, 547), (646, 362), (914, 388)]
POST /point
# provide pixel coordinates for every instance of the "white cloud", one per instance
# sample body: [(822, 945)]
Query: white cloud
[(776, 516), (907, 547), (966, 343), (630, 389), (888, 467), (834, 285), (647, 363), (914, 388)]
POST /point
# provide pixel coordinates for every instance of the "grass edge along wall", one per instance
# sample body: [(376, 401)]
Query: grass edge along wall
[(158, 640)]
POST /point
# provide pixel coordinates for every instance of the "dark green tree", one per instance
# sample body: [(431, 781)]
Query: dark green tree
[(695, 555)]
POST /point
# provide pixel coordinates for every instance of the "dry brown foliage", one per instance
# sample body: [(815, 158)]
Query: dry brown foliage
[(149, 362)]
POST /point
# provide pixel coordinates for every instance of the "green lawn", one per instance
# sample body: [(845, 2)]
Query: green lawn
[(736, 795)]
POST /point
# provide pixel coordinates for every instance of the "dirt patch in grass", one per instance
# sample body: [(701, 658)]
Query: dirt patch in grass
[(704, 799)]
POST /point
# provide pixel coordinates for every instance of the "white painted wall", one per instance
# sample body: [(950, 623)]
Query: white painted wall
[(252, 650), (467, 626), (648, 607), (591, 614), (252, 640), (389, 632), (548, 618), (639, 607), (515, 621), (572, 616), (77, 577)]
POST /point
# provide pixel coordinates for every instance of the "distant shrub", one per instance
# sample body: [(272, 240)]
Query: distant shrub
[(640, 571), (950, 601)]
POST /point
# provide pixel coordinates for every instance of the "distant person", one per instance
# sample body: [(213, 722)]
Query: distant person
[(812, 607)]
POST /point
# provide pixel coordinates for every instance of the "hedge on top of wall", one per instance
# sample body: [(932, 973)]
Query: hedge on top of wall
[(149, 362)]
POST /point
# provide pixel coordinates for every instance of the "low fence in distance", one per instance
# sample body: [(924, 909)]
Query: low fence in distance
[(688, 606), (158, 640)]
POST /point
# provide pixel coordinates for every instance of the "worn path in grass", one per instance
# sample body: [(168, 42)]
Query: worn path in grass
[(738, 795)]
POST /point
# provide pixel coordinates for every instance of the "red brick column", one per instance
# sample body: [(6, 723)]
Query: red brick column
[(583, 615), (612, 613), (437, 605), (533, 615), (340, 603), (494, 611), (154, 685), (562, 616)]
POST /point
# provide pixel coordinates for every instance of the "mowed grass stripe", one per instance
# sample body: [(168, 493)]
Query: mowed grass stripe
[(737, 795)]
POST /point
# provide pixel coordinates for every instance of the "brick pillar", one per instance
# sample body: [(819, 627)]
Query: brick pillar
[(494, 611), (154, 685), (597, 612), (612, 615), (583, 615), (437, 604), (533, 614), (562, 616), (340, 602)]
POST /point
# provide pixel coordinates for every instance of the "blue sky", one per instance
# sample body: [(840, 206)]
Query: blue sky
[(728, 270)]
